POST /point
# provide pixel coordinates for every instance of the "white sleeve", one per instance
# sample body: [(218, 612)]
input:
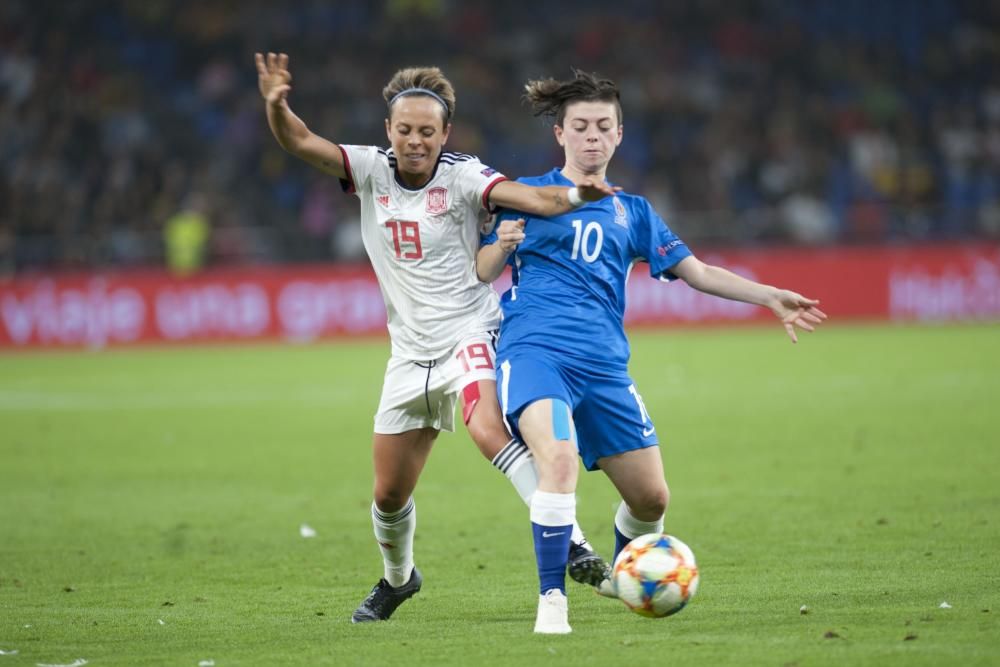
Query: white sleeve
[(475, 182), (359, 162)]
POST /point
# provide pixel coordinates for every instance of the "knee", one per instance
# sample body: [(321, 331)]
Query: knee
[(662, 500), (651, 504), (389, 500), (560, 465)]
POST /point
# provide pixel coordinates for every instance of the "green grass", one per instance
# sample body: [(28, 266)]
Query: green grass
[(150, 502)]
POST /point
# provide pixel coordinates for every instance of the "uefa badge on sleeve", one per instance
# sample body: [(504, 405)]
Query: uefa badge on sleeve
[(437, 200)]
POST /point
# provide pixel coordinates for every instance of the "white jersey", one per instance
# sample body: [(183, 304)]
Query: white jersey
[(422, 244)]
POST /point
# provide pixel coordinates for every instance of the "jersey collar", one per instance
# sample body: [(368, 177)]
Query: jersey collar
[(395, 172)]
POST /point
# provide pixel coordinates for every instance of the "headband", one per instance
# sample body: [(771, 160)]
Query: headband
[(421, 91)]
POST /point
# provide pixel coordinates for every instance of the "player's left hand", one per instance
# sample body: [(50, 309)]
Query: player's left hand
[(510, 233), (795, 310), (591, 189)]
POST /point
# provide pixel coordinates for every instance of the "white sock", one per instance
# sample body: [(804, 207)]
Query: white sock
[(394, 532), (553, 509), (631, 527), (518, 465)]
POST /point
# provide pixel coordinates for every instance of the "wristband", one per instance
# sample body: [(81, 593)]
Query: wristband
[(575, 200)]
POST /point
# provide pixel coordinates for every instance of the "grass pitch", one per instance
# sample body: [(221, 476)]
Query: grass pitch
[(836, 493)]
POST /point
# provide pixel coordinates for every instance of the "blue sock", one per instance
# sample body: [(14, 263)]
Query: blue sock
[(620, 542), (552, 519), (626, 524), (551, 554)]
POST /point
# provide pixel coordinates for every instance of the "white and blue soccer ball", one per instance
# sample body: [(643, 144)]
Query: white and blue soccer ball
[(655, 575)]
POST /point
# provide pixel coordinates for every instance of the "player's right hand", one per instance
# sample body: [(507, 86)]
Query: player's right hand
[(592, 189), (795, 310), (273, 77), (510, 234)]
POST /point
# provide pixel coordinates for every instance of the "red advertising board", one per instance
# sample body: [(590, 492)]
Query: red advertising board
[(928, 283)]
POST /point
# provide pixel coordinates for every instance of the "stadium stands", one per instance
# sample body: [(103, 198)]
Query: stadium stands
[(749, 121)]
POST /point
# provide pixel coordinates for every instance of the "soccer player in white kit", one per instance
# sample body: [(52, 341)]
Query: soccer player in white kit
[(422, 211)]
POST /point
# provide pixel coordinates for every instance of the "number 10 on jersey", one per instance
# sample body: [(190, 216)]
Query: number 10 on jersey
[(405, 232), (587, 241)]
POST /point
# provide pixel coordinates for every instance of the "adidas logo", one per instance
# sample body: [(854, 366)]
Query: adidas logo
[(383, 200)]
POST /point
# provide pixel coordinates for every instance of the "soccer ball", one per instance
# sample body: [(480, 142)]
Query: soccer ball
[(655, 575)]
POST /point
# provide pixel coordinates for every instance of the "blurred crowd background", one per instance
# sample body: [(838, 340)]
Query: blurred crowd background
[(132, 133)]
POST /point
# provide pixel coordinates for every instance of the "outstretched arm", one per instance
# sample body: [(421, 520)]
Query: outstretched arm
[(492, 258), (274, 81), (547, 200), (794, 310)]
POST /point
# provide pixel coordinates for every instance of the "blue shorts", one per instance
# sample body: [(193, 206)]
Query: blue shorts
[(608, 412)]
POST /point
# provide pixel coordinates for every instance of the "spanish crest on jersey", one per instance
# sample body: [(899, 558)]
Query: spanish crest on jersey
[(437, 200)]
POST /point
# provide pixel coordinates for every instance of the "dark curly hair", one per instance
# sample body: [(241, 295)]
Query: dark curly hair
[(549, 97)]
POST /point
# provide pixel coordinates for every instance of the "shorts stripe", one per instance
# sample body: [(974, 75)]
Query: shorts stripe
[(505, 393)]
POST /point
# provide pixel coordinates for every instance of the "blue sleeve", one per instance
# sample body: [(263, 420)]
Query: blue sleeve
[(655, 243)]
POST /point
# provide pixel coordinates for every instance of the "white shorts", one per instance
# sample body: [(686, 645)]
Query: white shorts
[(418, 394)]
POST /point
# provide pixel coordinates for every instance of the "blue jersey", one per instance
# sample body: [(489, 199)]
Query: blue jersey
[(569, 275)]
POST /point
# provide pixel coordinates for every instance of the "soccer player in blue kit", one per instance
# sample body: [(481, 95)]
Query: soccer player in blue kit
[(562, 361)]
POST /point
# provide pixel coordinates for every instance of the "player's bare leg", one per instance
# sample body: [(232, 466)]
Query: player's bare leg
[(638, 476), (482, 416), (398, 459)]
